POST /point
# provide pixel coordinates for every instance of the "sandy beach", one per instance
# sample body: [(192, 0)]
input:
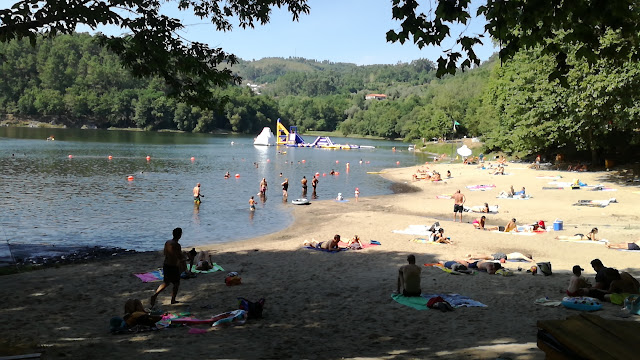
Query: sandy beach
[(338, 305)]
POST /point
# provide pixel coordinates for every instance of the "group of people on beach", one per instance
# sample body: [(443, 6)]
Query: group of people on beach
[(610, 284)]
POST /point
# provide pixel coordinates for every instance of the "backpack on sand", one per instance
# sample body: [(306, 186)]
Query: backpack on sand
[(253, 309)]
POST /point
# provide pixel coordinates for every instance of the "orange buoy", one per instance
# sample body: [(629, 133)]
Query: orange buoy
[(110, 157), (130, 178), (337, 173), (148, 157), (193, 158), (268, 160), (317, 174), (70, 156), (304, 161), (337, 161), (237, 175), (324, 174)]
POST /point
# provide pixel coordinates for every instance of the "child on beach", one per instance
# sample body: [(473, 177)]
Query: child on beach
[(577, 284), (357, 194)]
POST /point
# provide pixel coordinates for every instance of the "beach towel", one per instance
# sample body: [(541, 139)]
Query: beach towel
[(592, 203), (155, 275), (549, 177), (526, 197), (341, 201), (456, 300), (425, 241), (416, 302), (371, 243), (552, 188), (325, 250), (414, 230), (443, 196), (547, 302), (602, 241), (493, 209), (480, 187), (520, 232), (215, 268)]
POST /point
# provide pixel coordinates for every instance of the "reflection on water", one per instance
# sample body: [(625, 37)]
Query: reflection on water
[(91, 199)]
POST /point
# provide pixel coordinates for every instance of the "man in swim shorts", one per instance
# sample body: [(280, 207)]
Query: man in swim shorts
[(409, 278), (304, 186), (174, 264), (458, 207)]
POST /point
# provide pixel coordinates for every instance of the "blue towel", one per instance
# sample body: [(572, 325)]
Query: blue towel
[(375, 242)]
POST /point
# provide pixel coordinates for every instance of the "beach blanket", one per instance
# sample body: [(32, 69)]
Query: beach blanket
[(520, 232), (416, 302), (155, 275), (547, 302), (552, 188), (325, 250), (425, 241), (549, 177), (215, 268), (480, 187), (493, 209), (456, 300), (602, 241), (343, 200), (443, 196), (592, 203), (372, 243), (517, 197), (414, 230)]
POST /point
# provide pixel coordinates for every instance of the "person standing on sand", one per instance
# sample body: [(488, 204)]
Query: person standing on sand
[(458, 207), (409, 278), (357, 194), (197, 194), (174, 264)]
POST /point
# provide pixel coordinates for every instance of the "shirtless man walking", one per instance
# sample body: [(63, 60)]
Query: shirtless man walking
[(458, 207), (174, 264), (196, 193), (409, 278)]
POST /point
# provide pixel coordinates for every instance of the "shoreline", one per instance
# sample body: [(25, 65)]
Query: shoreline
[(340, 297)]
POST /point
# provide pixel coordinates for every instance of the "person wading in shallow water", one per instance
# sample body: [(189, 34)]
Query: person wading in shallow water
[(174, 265)]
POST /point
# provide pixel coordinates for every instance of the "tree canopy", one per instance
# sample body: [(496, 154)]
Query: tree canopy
[(151, 45)]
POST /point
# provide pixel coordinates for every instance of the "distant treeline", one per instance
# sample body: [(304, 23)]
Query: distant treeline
[(514, 106)]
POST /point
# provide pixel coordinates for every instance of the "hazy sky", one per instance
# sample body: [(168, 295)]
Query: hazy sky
[(351, 31)]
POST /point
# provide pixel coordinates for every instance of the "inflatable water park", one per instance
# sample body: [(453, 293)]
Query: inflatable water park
[(291, 138)]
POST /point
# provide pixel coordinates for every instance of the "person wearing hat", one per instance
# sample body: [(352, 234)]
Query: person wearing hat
[(357, 194), (578, 285)]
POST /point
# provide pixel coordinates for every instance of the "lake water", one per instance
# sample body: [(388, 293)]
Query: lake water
[(50, 199)]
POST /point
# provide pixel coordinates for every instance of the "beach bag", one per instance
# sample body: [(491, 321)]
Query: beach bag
[(545, 268), (632, 304), (253, 309), (233, 278)]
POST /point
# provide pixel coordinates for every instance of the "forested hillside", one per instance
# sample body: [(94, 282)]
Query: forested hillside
[(514, 106)]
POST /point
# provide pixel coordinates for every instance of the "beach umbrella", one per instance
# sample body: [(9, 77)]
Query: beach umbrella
[(464, 151)]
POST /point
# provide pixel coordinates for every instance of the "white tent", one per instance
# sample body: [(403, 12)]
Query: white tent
[(265, 138)]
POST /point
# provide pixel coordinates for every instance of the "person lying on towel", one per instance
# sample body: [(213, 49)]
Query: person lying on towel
[(331, 245)]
